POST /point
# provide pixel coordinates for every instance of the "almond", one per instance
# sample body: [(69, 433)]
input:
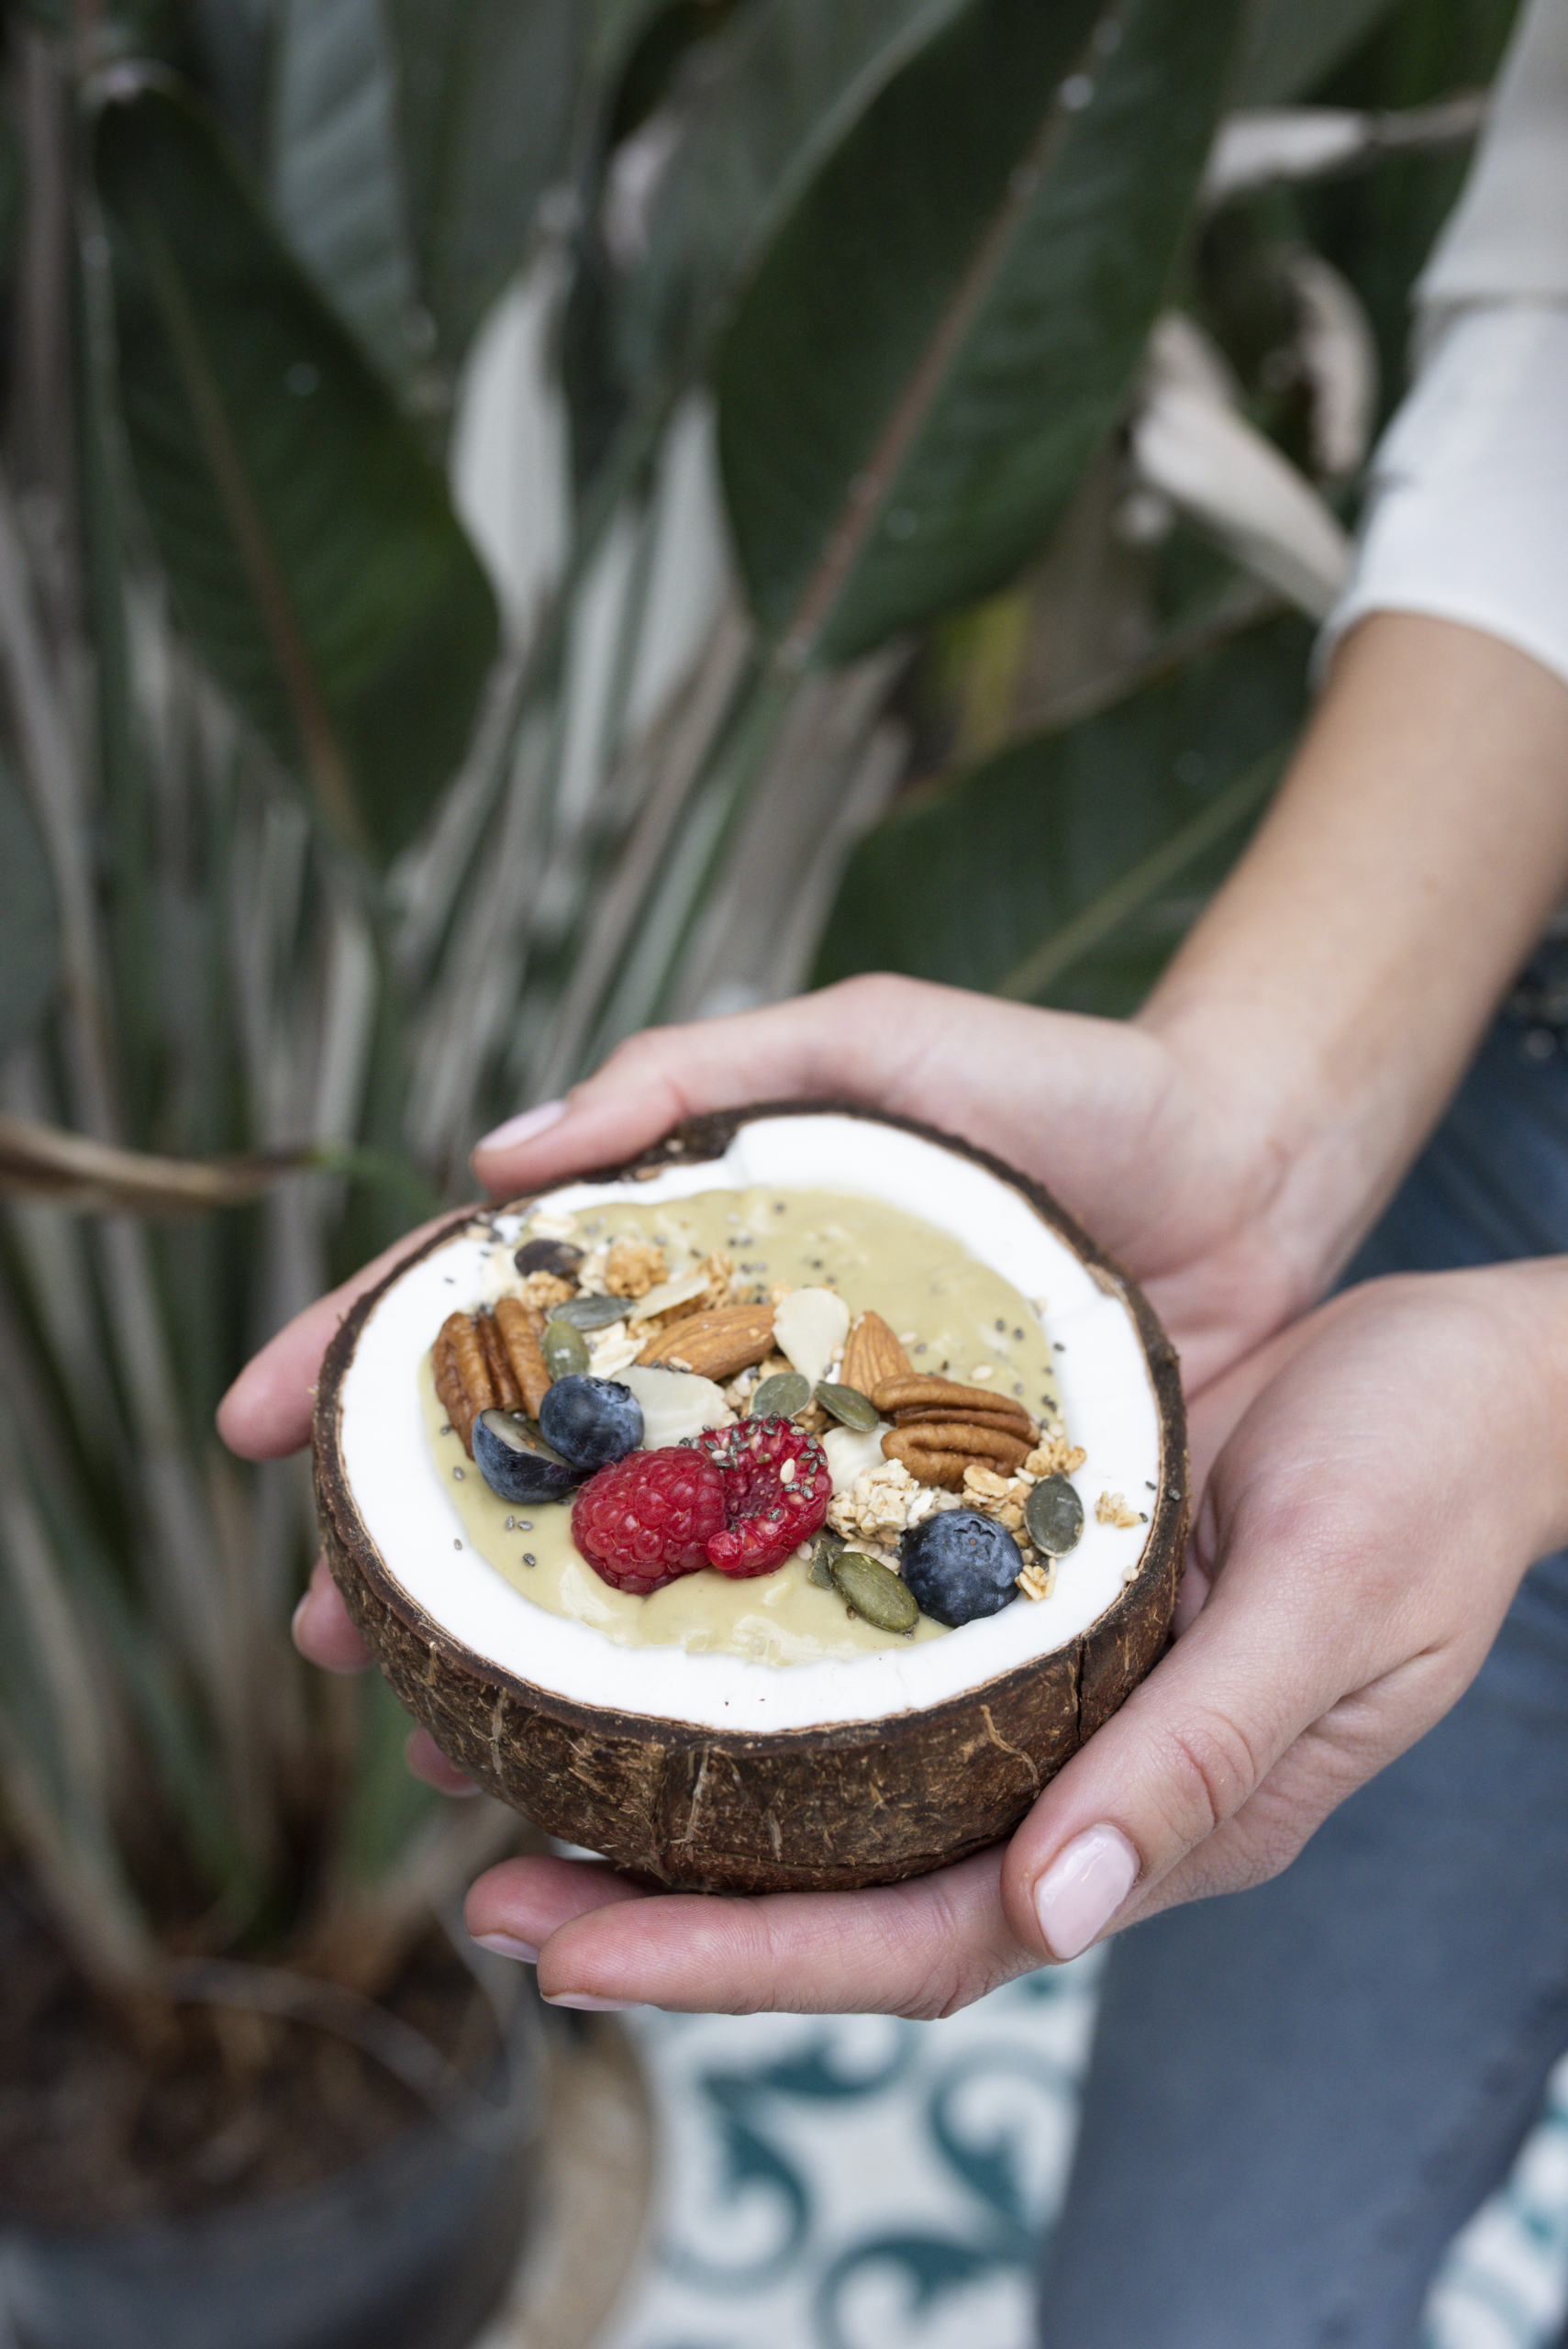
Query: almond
[(715, 1345), (872, 1353)]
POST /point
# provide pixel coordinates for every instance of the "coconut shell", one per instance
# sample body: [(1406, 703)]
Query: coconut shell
[(817, 1808)]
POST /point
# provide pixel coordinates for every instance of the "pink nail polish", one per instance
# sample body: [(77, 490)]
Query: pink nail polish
[(524, 1127), (1084, 1888), (508, 1946), (585, 2000)]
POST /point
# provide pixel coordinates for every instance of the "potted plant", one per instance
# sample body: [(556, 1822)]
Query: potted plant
[(316, 857)]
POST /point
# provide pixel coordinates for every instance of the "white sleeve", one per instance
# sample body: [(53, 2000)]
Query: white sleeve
[(1467, 510)]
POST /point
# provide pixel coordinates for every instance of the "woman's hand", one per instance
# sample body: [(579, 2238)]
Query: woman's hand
[(1139, 1136), (1381, 1475), (1121, 1124)]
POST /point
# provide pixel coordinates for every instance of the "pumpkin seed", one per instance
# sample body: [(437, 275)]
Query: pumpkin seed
[(591, 1312), (824, 1549), (781, 1397), (874, 1591), (565, 1350), (849, 1406), (1053, 1517)]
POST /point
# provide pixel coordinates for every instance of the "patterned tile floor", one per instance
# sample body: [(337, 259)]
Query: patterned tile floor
[(859, 2183)]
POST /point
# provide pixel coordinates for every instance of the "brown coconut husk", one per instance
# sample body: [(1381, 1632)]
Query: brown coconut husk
[(806, 1810)]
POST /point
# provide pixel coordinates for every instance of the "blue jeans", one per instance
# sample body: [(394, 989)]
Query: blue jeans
[(1299, 2093)]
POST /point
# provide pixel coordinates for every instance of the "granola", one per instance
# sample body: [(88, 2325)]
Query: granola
[(634, 1266), (1111, 1508), (945, 1442)]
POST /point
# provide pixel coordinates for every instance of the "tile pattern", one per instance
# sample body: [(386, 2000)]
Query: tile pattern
[(857, 2182)]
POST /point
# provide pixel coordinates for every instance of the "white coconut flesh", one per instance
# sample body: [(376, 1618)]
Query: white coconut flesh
[(1108, 1403)]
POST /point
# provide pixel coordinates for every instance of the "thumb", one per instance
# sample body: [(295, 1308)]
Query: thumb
[(844, 1040)]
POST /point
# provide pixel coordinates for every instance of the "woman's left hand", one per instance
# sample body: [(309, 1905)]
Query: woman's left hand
[(1383, 1474)]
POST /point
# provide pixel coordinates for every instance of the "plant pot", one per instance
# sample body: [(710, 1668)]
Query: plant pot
[(409, 2249)]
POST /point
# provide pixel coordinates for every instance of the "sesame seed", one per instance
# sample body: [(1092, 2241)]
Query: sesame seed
[(525, 1525), (457, 1545), (981, 1370), (528, 1558)]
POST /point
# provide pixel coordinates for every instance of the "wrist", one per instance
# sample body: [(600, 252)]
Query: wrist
[(1525, 1395), (1312, 1152)]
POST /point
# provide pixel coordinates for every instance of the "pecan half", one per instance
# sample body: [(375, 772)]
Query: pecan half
[(926, 1464), (461, 1370), (521, 1328), (1011, 1422), (955, 1436), (919, 1391)]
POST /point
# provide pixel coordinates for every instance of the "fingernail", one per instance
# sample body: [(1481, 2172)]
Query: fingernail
[(1084, 1888), (506, 1945), (586, 2002), (523, 1126)]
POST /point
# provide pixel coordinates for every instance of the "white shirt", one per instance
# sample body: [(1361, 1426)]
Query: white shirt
[(1467, 512)]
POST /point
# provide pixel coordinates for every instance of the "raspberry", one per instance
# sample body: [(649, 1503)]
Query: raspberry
[(768, 1512), (646, 1519)]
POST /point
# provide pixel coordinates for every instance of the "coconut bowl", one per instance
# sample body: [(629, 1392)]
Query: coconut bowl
[(711, 1772)]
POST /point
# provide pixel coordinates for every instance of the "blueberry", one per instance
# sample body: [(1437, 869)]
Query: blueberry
[(514, 1463), (960, 1566), (591, 1421)]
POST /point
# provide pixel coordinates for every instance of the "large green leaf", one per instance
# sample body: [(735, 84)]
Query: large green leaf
[(966, 883), (29, 927), (1290, 48), (948, 323), (334, 166), (786, 82), (309, 542), (487, 94)]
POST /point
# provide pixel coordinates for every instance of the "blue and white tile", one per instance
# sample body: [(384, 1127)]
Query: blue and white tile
[(857, 2182)]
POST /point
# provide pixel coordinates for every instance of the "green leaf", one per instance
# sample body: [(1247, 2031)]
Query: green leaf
[(30, 923), (487, 94), (780, 91), (309, 542), (335, 167), (966, 883), (1290, 49), (948, 323)]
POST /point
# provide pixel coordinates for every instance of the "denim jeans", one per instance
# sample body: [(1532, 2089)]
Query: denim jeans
[(1298, 2094)]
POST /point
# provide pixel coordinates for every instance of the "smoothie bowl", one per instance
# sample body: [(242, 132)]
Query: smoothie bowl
[(778, 1511)]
